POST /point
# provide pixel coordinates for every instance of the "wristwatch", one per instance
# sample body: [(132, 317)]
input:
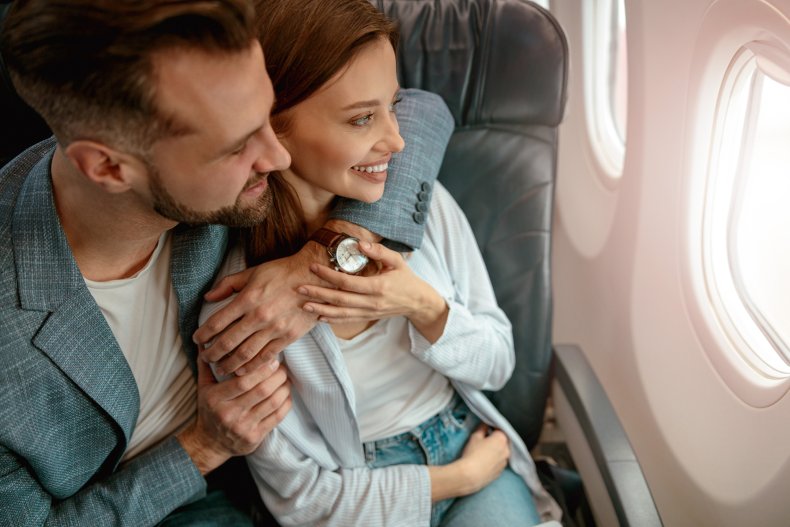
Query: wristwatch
[(343, 250)]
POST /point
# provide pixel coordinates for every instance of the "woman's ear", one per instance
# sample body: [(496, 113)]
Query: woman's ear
[(111, 169)]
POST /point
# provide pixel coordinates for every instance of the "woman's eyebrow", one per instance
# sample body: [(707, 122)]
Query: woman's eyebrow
[(362, 104)]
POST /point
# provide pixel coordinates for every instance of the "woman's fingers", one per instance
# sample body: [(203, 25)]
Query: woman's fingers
[(346, 282), (479, 433), (387, 257), (323, 295), (331, 314)]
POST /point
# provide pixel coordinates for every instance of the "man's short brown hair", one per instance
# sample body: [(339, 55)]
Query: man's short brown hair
[(87, 65)]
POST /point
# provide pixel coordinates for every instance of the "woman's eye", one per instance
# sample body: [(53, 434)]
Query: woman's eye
[(239, 150), (394, 103), (362, 121)]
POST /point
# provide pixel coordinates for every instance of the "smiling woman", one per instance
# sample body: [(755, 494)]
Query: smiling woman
[(342, 137), (334, 111)]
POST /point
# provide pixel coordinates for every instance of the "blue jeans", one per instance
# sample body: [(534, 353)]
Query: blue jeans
[(506, 502)]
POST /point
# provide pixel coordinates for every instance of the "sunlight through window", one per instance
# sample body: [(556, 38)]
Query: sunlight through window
[(606, 81), (747, 217)]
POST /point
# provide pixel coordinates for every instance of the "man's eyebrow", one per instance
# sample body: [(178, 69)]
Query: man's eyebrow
[(235, 145), (239, 143)]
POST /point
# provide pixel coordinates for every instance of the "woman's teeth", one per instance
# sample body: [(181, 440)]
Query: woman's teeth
[(374, 168)]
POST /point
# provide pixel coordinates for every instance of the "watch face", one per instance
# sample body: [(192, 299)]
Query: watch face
[(348, 257)]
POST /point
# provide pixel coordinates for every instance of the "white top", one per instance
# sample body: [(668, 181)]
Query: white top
[(311, 469), (142, 312), (395, 391)]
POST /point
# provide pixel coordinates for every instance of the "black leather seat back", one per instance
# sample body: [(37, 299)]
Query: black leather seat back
[(502, 68), (21, 125)]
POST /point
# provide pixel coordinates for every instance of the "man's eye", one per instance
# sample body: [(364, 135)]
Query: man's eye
[(363, 121)]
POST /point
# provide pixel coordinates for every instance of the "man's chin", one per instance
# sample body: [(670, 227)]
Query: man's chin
[(240, 219), (232, 216)]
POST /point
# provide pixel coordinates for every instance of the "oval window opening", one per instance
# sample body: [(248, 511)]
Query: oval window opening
[(747, 249)]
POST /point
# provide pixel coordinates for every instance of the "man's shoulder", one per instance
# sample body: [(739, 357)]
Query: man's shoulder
[(24, 162), (12, 179), (14, 174)]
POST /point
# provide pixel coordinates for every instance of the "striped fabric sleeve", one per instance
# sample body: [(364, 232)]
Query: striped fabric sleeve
[(298, 491), (476, 346)]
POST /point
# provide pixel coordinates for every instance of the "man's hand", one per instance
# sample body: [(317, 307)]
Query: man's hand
[(265, 316), (267, 313), (234, 416)]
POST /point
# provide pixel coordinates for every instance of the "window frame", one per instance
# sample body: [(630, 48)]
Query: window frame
[(598, 17), (728, 27), (725, 285)]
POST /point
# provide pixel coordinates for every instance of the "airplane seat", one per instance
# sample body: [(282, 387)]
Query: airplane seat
[(502, 68)]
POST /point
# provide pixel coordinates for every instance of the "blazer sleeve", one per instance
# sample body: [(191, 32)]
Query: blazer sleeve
[(399, 216), (298, 491), (142, 493), (476, 346)]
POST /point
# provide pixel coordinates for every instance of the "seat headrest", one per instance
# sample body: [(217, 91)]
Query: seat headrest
[(462, 50)]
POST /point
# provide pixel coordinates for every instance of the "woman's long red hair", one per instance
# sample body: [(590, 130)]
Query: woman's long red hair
[(305, 44)]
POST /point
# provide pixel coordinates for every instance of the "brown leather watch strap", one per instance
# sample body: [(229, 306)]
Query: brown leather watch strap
[(326, 237)]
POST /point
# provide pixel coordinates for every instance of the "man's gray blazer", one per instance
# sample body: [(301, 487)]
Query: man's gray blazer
[(68, 400)]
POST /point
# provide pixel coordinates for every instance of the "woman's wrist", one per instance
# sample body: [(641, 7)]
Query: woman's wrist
[(429, 315), (352, 229), (449, 481)]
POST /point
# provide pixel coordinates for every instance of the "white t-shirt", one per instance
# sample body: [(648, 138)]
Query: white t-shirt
[(395, 391), (142, 312)]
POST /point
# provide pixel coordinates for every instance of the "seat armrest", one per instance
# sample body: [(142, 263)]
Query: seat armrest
[(612, 477)]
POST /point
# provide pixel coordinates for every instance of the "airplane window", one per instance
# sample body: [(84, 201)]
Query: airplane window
[(747, 219), (618, 69), (606, 79)]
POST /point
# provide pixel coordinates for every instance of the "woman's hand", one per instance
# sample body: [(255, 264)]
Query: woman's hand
[(395, 291), (485, 456), (483, 459)]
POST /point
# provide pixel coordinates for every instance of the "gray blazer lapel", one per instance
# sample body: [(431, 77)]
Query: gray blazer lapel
[(75, 336), (197, 255)]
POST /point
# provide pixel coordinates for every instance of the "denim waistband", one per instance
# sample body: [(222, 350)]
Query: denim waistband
[(418, 430), (438, 440)]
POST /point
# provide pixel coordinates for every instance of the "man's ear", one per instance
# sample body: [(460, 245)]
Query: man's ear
[(111, 169)]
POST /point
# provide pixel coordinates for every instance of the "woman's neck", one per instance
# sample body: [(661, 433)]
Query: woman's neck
[(316, 220), (316, 202)]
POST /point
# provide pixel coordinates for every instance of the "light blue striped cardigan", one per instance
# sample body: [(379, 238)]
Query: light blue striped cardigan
[(311, 470)]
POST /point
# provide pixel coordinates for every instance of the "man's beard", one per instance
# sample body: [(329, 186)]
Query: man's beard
[(235, 215)]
